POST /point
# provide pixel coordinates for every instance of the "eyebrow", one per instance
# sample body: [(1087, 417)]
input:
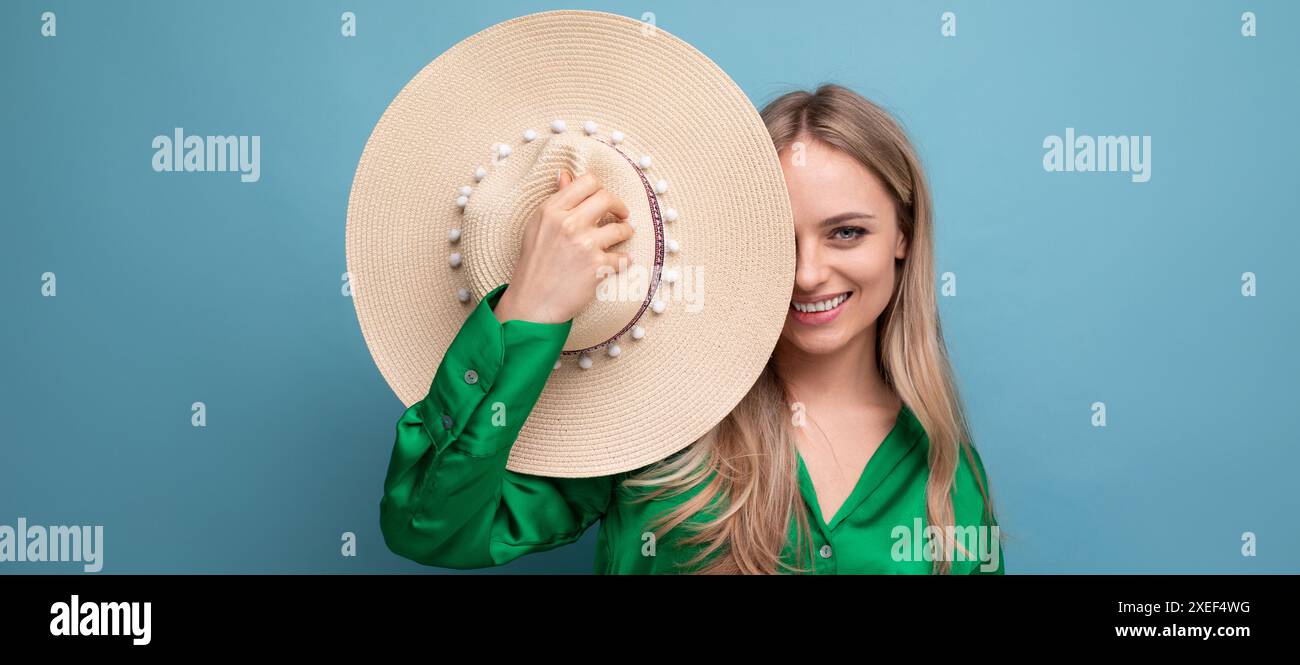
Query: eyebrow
[(846, 216)]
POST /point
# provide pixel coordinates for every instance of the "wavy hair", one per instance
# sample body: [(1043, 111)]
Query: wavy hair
[(746, 468)]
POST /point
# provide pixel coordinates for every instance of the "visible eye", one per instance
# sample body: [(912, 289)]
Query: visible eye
[(848, 233)]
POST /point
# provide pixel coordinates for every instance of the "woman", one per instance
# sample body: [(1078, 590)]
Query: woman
[(852, 442)]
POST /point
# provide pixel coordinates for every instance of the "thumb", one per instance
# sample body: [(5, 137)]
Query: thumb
[(564, 178)]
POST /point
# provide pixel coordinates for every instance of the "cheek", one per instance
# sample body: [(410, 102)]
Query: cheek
[(874, 278)]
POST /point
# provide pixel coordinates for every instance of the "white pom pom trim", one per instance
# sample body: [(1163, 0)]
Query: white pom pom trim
[(669, 275)]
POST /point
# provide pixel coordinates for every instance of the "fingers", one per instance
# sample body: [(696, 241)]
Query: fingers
[(611, 234), (596, 206), (575, 191)]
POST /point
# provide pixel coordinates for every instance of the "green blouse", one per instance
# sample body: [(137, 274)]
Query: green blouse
[(449, 501)]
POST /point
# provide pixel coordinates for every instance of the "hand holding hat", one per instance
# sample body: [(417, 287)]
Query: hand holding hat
[(566, 253)]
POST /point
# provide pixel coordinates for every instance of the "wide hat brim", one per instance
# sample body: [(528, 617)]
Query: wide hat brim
[(735, 232)]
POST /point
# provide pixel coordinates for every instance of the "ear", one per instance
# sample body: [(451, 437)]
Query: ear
[(900, 249)]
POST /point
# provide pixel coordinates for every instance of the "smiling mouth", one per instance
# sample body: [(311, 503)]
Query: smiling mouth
[(822, 305)]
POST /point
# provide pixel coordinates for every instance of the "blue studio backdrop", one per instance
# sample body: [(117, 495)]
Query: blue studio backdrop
[(1166, 292)]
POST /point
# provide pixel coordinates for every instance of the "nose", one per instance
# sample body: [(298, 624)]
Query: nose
[(810, 271)]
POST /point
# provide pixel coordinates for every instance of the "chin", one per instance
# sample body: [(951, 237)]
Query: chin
[(816, 344)]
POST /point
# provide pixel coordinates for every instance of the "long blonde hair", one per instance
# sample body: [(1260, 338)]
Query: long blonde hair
[(749, 459)]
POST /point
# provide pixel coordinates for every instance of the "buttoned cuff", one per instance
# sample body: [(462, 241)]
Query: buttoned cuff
[(473, 362)]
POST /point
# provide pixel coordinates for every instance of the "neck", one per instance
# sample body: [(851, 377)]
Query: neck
[(846, 376)]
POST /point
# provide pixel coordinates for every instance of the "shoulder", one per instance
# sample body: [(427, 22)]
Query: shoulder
[(971, 476), (971, 490), (973, 506), (974, 515)]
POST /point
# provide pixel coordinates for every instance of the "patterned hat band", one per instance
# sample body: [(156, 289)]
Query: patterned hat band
[(658, 216)]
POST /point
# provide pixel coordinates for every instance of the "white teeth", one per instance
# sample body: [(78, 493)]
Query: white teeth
[(821, 306)]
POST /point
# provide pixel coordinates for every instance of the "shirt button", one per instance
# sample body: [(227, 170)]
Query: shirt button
[(446, 421), (471, 376), (826, 551)]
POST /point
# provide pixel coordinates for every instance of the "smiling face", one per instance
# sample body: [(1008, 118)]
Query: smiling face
[(847, 237)]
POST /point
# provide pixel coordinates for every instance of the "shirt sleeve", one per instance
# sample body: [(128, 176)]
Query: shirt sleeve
[(448, 499)]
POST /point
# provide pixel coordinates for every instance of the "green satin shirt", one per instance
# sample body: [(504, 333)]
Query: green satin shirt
[(449, 501)]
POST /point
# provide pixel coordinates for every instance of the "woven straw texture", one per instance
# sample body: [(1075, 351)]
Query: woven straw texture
[(736, 232)]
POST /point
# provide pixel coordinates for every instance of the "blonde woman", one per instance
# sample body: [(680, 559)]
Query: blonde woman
[(850, 454)]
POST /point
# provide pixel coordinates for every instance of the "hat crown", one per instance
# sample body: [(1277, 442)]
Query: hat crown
[(516, 186)]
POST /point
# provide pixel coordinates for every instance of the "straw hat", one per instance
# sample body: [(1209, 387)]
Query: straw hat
[(470, 147)]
